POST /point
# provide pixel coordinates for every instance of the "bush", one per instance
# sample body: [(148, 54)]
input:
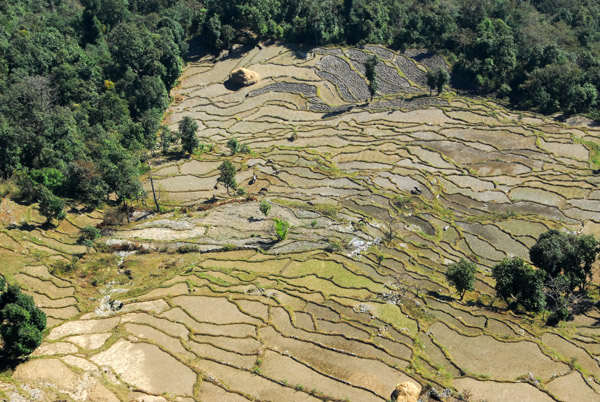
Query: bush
[(281, 228), (234, 146), (88, 234), (265, 207), (334, 246), (557, 316), (187, 248)]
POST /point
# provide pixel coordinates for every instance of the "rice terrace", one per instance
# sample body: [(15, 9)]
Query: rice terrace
[(337, 290)]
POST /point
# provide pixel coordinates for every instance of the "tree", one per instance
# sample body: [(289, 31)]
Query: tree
[(431, 81), (227, 177), (50, 206), (462, 276), (588, 250), (442, 79), (21, 322), (187, 133), (518, 282), (265, 207), (371, 75), (559, 253), (437, 79), (551, 251), (166, 139)]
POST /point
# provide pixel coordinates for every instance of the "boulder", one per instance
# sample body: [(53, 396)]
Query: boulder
[(406, 391), (243, 77)]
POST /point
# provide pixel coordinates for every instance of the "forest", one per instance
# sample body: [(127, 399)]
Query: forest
[(83, 86)]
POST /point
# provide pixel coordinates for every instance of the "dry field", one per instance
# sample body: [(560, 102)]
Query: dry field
[(354, 300)]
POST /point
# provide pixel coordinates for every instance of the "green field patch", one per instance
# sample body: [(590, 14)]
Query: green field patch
[(327, 287), (333, 271), (392, 314)]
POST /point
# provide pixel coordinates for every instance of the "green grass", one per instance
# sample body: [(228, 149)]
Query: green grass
[(594, 149)]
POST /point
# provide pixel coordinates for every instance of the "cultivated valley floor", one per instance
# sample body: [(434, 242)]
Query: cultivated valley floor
[(381, 196)]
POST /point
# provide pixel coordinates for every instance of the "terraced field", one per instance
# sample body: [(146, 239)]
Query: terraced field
[(381, 196)]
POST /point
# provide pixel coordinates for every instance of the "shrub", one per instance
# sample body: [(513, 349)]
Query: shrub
[(281, 228), (88, 234), (265, 207), (334, 246), (557, 316), (187, 248), (234, 146)]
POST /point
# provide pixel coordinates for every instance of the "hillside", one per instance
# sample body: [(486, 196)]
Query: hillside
[(380, 196)]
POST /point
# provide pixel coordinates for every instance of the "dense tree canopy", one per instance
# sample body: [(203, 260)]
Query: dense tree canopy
[(83, 84), (564, 264), (519, 283), (542, 54), (82, 92), (561, 253)]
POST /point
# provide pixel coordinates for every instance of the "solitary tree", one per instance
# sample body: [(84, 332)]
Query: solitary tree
[(227, 177), (265, 207), (371, 75), (462, 276), (21, 322), (187, 133)]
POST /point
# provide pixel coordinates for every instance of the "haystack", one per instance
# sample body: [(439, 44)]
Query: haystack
[(406, 392), (243, 77)]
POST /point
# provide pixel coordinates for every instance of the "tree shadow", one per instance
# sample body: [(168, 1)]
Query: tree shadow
[(24, 226), (173, 156), (8, 362), (337, 112), (267, 245), (483, 306), (439, 296)]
